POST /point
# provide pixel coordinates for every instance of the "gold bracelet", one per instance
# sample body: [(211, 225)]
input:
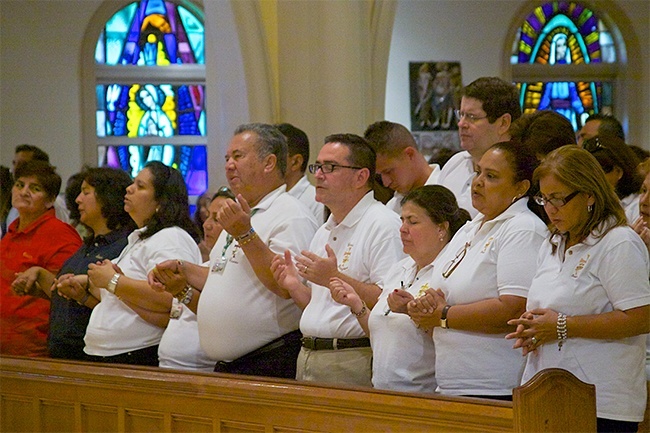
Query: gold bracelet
[(247, 239), (363, 311)]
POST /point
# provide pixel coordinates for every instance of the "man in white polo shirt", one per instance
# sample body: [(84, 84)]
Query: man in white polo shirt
[(246, 321), (358, 243), (399, 162), (487, 108)]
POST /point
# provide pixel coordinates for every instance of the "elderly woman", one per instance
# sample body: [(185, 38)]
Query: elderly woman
[(403, 356), (484, 278), (100, 210), (589, 301), (620, 165), (180, 347), (36, 238), (127, 324)]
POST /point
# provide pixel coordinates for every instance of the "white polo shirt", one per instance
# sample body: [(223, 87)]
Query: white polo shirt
[(394, 203), (114, 328), (367, 244), (403, 357), (305, 192), (457, 175), (596, 277), (501, 260), (237, 314)]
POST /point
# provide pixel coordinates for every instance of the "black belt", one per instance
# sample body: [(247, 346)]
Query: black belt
[(315, 343)]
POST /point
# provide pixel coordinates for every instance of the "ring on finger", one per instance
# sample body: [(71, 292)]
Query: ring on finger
[(534, 340)]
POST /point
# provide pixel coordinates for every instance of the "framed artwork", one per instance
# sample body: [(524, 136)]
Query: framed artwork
[(435, 93)]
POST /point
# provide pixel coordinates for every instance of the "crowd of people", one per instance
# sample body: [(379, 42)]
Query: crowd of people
[(527, 250)]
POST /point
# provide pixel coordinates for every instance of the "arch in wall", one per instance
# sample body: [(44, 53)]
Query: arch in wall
[(593, 78)]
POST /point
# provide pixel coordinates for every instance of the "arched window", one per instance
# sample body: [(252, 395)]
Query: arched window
[(150, 90), (564, 58)]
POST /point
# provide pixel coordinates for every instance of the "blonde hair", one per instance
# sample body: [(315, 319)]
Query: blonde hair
[(580, 171)]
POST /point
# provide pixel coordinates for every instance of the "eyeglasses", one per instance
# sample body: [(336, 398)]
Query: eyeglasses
[(472, 118), (328, 168), (453, 264), (555, 202), (592, 145)]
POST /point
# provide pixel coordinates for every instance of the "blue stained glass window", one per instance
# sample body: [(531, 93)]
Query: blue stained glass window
[(564, 33), (136, 106)]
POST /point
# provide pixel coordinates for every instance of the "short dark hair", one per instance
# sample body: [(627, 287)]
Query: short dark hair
[(171, 194), (440, 204), (608, 125), (610, 151), (224, 191), (44, 173), (543, 131), (361, 154), (37, 153), (110, 187), (72, 190), (523, 162), (497, 96), (270, 141), (297, 142), (389, 138)]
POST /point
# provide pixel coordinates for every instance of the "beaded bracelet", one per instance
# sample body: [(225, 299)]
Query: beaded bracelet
[(185, 295), (561, 330), (247, 239), (245, 236), (363, 311)]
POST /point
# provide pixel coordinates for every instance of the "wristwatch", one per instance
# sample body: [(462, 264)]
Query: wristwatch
[(113, 283), (443, 317)]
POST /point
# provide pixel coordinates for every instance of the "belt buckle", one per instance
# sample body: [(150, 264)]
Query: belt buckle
[(308, 342)]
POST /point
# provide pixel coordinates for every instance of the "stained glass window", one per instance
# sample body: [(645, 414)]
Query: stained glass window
[(568, 35), (150, 90)]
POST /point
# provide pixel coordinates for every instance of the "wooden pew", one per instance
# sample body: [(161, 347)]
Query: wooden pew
[(49, 395)]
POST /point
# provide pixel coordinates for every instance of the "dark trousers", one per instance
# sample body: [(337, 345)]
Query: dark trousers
[(147, 356), (275, 359), (604, 425)]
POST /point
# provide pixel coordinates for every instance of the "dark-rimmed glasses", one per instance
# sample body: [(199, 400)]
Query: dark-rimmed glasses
[(453, 264), (329, 167), (555, 202), (593, 144), (472, 118)]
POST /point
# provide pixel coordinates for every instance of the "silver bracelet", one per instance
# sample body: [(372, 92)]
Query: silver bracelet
[(561, 330)]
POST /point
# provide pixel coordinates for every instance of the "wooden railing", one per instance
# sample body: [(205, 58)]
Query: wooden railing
[(48, 395)]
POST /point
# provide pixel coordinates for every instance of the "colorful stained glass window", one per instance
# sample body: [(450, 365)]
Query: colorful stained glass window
[(564, 33), (150, 84)]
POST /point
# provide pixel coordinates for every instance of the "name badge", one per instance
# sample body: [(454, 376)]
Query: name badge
[(219, 265)]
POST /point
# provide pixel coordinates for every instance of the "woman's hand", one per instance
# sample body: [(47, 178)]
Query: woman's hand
[(100, 273), (641, 228), (534, 328), (343, 293), (398, 300), (426, 310), (72, 286), (26, 282), (168, 276)]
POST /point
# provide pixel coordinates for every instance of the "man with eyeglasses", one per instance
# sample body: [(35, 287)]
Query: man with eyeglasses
[(399, 162), (358, 243), (488, 107)]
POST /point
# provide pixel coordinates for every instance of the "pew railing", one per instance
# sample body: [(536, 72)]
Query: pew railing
[(52, 395)]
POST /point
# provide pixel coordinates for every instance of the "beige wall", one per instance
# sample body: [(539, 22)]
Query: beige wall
[(327, 69)]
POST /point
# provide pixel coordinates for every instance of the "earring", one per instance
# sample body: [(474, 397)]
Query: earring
[(514, 199), (590, 207)]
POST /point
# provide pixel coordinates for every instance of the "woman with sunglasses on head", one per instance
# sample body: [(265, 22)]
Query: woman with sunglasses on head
[(180, 347), (589, 302), (128, 323), (619, 162), (403, 356), (483, 279)]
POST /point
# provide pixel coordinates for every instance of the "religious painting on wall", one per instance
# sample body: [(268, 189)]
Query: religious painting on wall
[(435, 96)]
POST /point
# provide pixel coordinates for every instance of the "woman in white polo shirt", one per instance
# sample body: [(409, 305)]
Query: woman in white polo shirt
[(403, 356), (127, 324), (484, 279), (589, 302)]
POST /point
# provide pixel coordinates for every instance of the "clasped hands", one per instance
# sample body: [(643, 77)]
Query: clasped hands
[(168, 276), (534, 328), (424, 311)]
